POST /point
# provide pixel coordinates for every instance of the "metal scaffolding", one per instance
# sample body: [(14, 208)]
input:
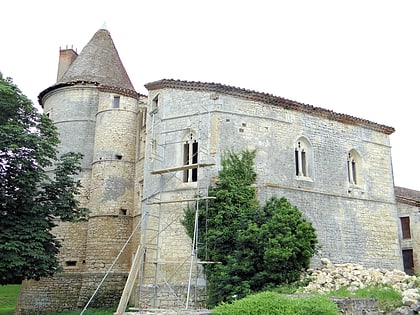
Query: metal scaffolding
[(146, 265)]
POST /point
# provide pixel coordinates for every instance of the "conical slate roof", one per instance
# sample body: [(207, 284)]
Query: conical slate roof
[(99, 62)]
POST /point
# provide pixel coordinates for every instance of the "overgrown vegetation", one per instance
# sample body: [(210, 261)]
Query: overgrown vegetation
[(8, 298), (271, 303), (252, 247), (30, 200), (386, 298), (282, 301)]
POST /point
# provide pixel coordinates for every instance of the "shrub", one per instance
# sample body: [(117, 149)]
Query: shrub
[(255, 248)]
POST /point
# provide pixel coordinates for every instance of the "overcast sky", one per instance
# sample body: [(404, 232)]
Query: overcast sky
[(359, 57)]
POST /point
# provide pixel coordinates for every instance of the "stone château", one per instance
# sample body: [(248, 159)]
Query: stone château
[(147, 157)]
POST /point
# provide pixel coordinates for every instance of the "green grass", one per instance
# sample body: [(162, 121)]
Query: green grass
[(387, 299), (89, 311), (279, 302), (8, 298), (272, 303)]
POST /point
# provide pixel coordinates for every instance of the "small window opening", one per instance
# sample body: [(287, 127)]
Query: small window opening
[(405, 227), (300, 161), (116, 103), (144, 117), (190, 157), (118, 156), (408, 261), (123, 211), (155, 104), (71, 263), (351, 169)]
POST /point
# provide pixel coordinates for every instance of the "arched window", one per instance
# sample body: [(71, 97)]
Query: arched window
[(302, 157), (354, 164), (190, 152)]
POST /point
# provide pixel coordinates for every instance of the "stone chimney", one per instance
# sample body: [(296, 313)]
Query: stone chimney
[(67, 56)]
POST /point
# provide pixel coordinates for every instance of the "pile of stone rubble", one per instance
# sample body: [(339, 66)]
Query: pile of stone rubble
[(353, 276)]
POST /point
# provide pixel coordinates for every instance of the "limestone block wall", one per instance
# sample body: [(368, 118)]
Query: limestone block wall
[(113, 167), (68, 291), (73, 110), (411, 210), (105, 238), (72, 236), (107, 137), (112, 184), (354, 222)]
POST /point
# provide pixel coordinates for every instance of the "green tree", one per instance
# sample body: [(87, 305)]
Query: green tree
[(250, 247), (31, 199)]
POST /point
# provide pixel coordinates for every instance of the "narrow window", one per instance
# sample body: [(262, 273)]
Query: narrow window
[(408, 261), (116, 103), (186, 161), (194, 171), (351, 169), (301, 160), (71, 263), (155, 104), (144, 117), (190, 148), (405, 227)]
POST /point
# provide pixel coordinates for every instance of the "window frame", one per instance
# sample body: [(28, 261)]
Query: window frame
[(190, 148), (302, 158), (405, 228), (354, 168), (116, 102)]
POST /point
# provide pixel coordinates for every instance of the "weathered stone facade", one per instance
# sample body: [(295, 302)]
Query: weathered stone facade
[(354, 222), (147, 157), (408, 204)]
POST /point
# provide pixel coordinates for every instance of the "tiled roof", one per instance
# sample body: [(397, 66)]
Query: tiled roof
[(407, 196), (267, 99), (98, 64)]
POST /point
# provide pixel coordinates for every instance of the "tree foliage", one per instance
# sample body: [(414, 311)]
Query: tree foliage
[(250, 247), (31, 197)]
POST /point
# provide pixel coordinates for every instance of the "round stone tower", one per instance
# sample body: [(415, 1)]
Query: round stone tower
[(96, 108)]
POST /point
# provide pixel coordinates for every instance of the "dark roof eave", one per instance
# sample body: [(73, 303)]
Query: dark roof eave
[(106, 88), (407, 196), (268, 99)]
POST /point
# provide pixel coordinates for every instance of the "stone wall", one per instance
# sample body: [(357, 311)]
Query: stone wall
[(170, 298), (354, 222), (69, 291), (408, 204)]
